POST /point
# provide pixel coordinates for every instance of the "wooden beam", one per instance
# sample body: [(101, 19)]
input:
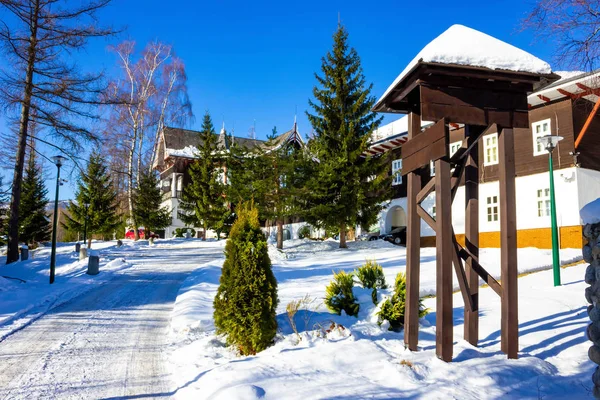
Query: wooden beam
[(461, 277), (471, 332), (428, 188), (508, 244), (429, 145), (588, 122), (413, 248), (543, 98), (565, 93), (425, 216), (487, 277), (474, 115), (443, 260)]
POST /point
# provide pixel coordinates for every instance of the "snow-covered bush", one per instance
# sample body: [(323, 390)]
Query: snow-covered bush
[(180, 232), (247, 296), (339, 296), (392, 310), (371, 276), (304, 232)]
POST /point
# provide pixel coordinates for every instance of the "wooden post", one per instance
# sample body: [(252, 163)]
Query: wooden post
[(471, 333), (508, 244), (443, 260), (413, 247)]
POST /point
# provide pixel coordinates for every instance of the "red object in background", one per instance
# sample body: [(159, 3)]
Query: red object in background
[(131, 234)]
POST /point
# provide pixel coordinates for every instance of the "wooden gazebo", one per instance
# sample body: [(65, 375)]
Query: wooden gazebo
[(463, 77)]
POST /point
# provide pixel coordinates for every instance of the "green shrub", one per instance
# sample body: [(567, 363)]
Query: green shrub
[(304, 232), (247, 296), (180, 232), (339, 296), (371, 276), (392, 309)]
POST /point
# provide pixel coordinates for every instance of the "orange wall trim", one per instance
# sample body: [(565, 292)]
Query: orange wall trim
[(569, 237)]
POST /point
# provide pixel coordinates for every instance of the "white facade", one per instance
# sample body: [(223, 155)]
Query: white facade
[(574, 188)]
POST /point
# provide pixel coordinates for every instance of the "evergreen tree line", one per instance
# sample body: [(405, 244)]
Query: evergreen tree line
[(331, 182)]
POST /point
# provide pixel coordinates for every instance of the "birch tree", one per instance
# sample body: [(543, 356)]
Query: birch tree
[(40, 81)]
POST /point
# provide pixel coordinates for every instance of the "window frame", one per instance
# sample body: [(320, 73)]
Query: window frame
[(543, 201), (487, 162), (397, 172), (535, 135), (492, 208)]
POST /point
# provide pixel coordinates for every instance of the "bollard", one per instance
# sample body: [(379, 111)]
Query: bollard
[(77, 247), (93, 265), (151, 241), (24, 253), (119, 243), (188, 234), (83, 253)]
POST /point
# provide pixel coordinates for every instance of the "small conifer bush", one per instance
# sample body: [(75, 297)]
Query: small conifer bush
[(371, 276), (304, 232), (247, 296), (339, 296), (392, 309)]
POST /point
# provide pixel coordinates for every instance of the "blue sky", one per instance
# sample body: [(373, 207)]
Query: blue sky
[(254, 61)]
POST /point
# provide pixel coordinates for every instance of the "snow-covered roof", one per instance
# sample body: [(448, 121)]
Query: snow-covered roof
[(395, 128), (461, 45), (574, 84)]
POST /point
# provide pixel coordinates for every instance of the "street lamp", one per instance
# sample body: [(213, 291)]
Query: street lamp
[(58, 160), (85, 218), (549, 142)]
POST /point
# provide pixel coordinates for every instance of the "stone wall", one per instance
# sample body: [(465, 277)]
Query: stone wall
[(591, 255)]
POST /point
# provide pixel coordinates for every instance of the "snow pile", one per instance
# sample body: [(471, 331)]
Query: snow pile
[(347, 357), (590, 213), (465, 46), (187, 152)]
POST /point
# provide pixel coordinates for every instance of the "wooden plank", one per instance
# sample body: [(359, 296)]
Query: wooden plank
[(469, 97), (444, 322), (425, 216), (422, 158), (471, 326), (487, 277), (508, 244), (413, 248), (474, 116), (497, 86), (461, 277), (428, 188), (438, 131)]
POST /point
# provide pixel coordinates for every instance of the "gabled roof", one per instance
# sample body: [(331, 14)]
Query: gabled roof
[(573, 84), (183, 143), (469, 48)]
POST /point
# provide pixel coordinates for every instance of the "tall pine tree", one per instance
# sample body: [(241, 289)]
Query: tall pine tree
[(203, 199), (147, 199), (94, 188), (348, 187), (35, 224)]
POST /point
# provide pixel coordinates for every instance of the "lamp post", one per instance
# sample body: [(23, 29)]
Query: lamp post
[(549, 142), (58, 160), (85, 218)]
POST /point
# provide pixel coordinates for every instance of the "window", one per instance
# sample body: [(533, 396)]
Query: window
[(543, 202), (454, 147), (396, 172), (492, 208), (490, 149), (433, 212), (539, 129)]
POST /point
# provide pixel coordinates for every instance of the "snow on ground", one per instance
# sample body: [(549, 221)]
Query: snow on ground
[(362, 360), (22, 302)]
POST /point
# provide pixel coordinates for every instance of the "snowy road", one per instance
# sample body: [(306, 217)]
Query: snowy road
[(108, 342)]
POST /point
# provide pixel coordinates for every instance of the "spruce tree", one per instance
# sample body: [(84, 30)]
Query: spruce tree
[(147, 199), (348, 187), (35, 224), (94, 188), (203, 198), (246, 299)]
